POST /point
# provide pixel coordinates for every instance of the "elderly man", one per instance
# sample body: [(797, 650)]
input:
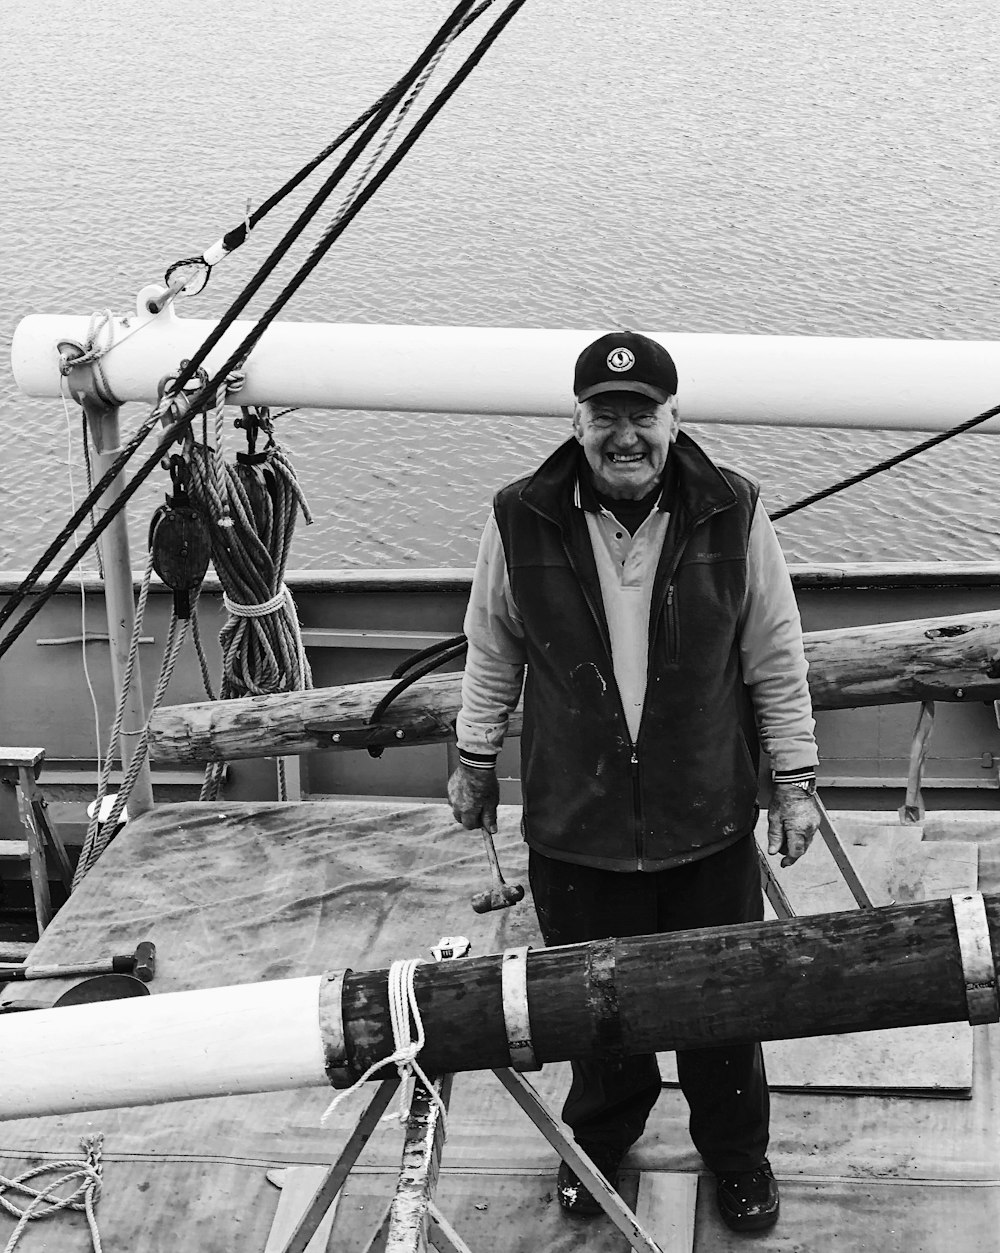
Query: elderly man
[(643, 589)]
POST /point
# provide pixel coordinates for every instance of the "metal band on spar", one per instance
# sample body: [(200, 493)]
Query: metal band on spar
[(897, 966), (778, 380)]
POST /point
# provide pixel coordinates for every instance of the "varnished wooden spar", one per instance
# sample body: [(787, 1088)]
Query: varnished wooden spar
[(946, 659), (862, 970)]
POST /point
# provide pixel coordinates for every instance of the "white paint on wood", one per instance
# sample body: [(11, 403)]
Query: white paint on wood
[(256, 1037), (779, 380)]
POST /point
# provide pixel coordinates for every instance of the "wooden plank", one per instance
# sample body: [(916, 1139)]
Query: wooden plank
[(21, 757), (665, 1206), (298, 1186), (404, 641)]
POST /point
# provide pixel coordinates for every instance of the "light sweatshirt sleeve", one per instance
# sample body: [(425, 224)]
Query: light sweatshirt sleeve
[(494, 665), (773, 656)]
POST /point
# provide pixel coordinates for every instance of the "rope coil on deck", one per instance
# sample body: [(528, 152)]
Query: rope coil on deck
[(46, 1201)]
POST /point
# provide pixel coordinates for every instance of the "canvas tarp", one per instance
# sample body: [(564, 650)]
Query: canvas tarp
[(237, 893)]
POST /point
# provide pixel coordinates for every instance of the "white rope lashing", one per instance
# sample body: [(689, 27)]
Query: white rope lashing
[(408, 1039)]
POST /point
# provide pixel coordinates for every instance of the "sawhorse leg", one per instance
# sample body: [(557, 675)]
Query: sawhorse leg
[(596, 1184), (330, 1187)]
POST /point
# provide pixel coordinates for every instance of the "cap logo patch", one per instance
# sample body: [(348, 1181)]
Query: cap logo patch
[(620, 360)]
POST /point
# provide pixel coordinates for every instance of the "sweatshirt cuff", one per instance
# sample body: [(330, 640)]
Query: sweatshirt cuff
[(477, 761), (804, 774)]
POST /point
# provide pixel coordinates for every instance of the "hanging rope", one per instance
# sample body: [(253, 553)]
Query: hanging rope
[(251, 508), (408, 1039), (48, 1201), (101, 830)]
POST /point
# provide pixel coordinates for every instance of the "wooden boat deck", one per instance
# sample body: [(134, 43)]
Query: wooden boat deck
[(239, 892)]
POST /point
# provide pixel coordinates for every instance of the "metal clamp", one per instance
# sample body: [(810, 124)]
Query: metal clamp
[(977, 957), (514, 992), (331, 1029)]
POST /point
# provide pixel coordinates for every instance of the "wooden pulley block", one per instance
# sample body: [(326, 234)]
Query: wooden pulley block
[(180, 541)]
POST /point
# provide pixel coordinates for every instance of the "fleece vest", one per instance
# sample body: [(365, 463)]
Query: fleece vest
[(687, 786)]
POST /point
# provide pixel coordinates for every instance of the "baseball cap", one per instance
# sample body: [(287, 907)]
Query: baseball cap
[(625, 362)]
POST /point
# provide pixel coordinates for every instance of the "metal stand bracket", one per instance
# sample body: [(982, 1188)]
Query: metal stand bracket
[(514, 989)]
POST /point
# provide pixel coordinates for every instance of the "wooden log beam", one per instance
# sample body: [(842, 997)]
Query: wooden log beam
[(946, 659), (897, 966)]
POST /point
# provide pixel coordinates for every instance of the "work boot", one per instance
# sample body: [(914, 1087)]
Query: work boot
[(748, 1199), (573, 1196)]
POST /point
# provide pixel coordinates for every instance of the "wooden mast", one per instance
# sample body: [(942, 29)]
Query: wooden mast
[(897, 966), (946, 659)]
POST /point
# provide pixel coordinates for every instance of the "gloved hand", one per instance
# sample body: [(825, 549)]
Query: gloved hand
[(792, 821), (474, 795)]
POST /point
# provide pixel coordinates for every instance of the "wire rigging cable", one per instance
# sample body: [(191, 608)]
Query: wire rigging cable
[(190, 370), (887, 464), (176, 399), (238, 235)]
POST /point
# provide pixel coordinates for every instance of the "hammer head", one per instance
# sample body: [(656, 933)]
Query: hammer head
[(499, 898), (145, 961)]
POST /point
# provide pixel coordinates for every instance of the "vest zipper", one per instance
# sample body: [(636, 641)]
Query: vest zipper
[(637, 804)]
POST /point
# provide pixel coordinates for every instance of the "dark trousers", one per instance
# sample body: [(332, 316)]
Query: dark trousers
[(725, 1088)]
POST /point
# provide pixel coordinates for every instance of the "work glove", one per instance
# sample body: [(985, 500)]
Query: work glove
[(792, 821), (474, 795)]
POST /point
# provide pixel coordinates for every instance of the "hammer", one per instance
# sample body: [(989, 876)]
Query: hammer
[(500, 895), (141, 963)]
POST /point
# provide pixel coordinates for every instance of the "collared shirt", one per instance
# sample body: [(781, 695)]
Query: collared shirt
[(773, 663)]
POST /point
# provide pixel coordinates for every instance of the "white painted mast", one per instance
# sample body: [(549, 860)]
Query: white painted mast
[(777, 380)]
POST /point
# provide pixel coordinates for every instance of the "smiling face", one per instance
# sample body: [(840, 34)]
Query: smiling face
[(626, 438)]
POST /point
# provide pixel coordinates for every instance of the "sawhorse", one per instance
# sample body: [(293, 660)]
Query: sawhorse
[(412, 1221), (19, 769)]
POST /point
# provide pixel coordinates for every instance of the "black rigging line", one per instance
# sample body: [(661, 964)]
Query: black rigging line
[(205, 393), (234, 238), (896, 460), (458, 21)]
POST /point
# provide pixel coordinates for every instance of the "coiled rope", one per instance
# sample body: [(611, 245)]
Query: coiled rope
[(47, 1201), (408, 1038), (251, 508), (251, 511)]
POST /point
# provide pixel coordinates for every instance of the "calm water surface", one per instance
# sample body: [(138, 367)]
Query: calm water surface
[(818, 167)]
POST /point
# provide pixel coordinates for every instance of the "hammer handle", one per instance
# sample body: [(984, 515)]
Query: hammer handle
[(110, 965), (491, 854)]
